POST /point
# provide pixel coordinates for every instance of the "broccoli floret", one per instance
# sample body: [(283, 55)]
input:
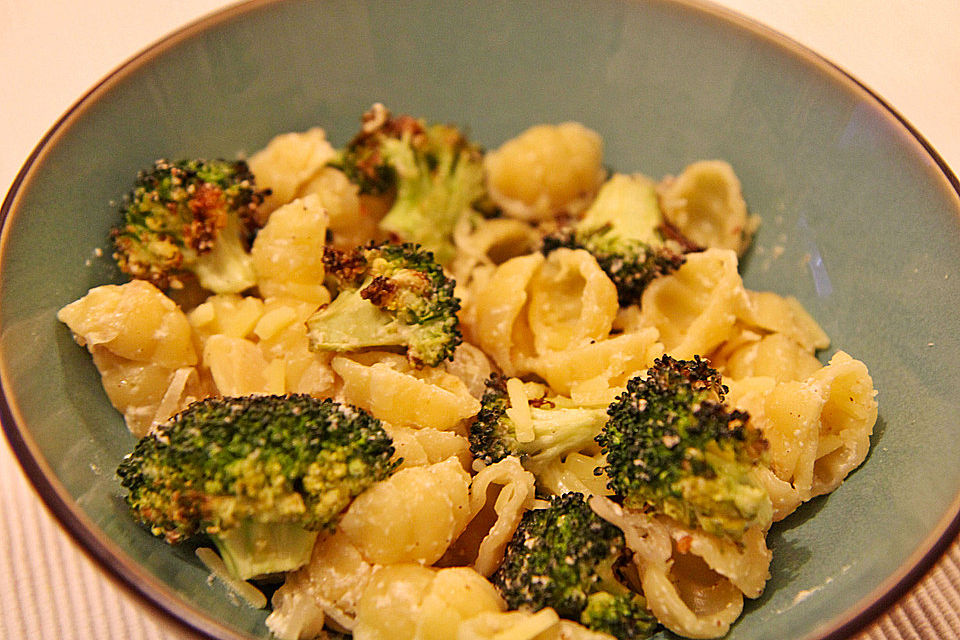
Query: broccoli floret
[(432, 171), (566, 557), (190, 217), (624, 229), (388, 295), (672, 447), (559, 427), (260, 475), (623, 616)]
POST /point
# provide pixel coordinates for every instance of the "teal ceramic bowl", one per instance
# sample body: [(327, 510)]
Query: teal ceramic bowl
[(860, 223)]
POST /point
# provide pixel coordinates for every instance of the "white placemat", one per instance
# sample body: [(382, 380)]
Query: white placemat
[(52, 51)]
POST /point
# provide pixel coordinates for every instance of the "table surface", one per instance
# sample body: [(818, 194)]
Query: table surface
[(52, 52)]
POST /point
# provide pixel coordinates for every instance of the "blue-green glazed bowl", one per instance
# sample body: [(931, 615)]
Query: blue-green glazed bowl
[(860, 223)]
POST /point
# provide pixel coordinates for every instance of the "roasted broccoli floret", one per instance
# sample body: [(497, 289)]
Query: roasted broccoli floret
[(432, 172), (566, 557), (388, 295), (556, 426), (190, 217), (673, 448), (260, 475), (626, 232), (623, 616)]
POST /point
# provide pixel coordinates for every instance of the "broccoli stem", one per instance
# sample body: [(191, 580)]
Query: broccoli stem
[(561, 430), (350, 322), (431, 201), (255, 549), (227, 267)]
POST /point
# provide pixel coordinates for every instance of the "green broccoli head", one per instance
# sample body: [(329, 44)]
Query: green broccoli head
[(624, 229), (190, 217), (261, 475), (623, 616), (388, 296), (673, 447), (565, 556), (433, 172), (558, 427)]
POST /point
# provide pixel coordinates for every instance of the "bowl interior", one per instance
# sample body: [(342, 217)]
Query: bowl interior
[(859, 222)]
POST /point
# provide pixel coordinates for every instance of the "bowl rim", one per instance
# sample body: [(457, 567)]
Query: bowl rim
[(152, 592)]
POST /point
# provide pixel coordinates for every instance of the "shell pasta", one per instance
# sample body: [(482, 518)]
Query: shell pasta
[(556, 317)]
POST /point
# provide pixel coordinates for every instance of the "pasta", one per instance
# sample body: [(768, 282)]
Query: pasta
[(417, 447), (572, 302), (502, 330), (593, 372), (411, 556), (695, 582), (330, 586), (818, 429), (288, 252), (515, 495), (421, 603), (288, 164), (547, 170), (401, 396), (695, 309), (139, 340), (705, 203), (413, 516)]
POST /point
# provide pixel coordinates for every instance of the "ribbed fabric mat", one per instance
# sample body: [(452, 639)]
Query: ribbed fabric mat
[(58, 593), (929, 610)]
